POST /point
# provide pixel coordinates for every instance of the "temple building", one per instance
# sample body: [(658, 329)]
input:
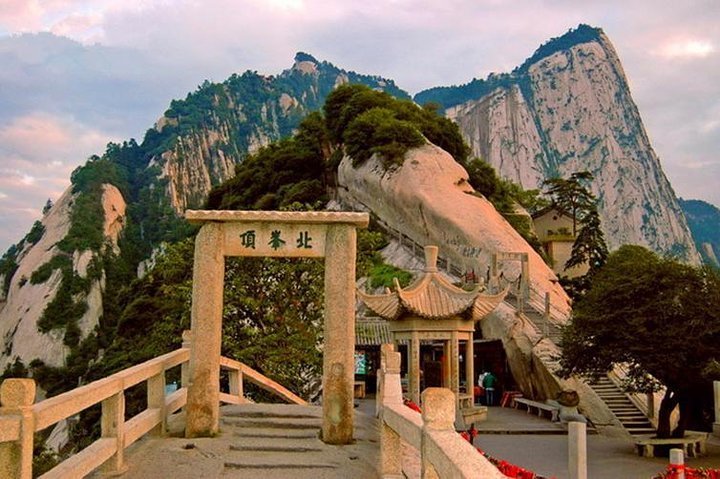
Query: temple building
[(433, 309)]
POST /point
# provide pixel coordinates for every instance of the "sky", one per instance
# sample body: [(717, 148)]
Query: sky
[(77, 74)]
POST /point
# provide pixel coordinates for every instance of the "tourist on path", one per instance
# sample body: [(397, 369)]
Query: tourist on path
[(488, 383)]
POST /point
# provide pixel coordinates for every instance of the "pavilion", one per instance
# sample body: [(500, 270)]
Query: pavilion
[(433, 309)]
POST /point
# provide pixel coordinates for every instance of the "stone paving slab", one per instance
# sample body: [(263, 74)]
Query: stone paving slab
[(223, 457), (608, 458)]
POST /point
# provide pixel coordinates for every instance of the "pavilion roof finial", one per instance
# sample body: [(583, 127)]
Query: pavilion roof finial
[(431, 256), (431, 296)]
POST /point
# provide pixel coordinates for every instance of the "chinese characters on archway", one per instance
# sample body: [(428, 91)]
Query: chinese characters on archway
[(276, 240)]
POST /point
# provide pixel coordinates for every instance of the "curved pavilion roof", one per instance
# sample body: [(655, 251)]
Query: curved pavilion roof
[(432, 296)]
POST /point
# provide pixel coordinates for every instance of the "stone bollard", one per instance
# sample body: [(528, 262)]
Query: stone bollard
[(677, 462), (16, 399), (716, 395), (577, 450), (185, 367), (390, 445), (438, 415), (385, 349)]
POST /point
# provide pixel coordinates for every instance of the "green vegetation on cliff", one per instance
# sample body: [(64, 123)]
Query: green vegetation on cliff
[(704, 222), (478, 88)]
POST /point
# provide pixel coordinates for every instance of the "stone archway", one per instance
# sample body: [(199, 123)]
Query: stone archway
[(331, 235)]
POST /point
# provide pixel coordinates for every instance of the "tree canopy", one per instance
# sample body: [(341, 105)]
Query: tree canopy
[(573, 197), (659, 318)]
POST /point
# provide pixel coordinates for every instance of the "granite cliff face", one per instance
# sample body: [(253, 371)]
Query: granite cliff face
[(430, 200), (26, 299), (194, 146), (214, 128), (568, 108)]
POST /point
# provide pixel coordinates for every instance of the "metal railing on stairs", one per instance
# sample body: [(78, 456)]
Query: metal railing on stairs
[(20, 418)]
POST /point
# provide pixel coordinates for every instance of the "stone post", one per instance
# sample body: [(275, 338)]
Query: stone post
[(438, 415), (470, 368), (156, 400), (494, 270), (455, 365), (235, 379), (339, 335), (525, 277), (414, 368), (447, 368), (577, 450), (546, 313), (112, 425), (185, 367), (390, 444), (677, 461), (716, 424), (651, 405), (203, 402), (385, 350), (16, 399)]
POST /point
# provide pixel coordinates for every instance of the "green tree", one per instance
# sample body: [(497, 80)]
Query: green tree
[(589, 246), (659, 318), (571, 195)]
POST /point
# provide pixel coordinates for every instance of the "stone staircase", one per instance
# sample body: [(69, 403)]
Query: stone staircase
[(280, 441), (632, 418)]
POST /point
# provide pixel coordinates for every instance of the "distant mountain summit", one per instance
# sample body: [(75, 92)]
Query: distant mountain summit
[(199, 140), (704, 221), (568, 108)]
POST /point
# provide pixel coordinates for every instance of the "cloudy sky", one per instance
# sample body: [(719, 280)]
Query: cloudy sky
[(76, 74)]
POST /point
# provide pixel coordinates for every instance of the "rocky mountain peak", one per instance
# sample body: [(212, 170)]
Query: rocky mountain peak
[(305, 63), (568, 108)]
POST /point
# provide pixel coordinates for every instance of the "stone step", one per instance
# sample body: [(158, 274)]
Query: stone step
[(262, 433), (285, 448), (630, 417), (270, 414), (272, 423), (641, 422)]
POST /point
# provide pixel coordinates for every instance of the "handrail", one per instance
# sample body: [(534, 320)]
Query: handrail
[(647, 403), (261, 380), (443, 452), (20, 418), (536, 299)]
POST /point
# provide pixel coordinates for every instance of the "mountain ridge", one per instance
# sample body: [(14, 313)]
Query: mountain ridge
[(568, 108)]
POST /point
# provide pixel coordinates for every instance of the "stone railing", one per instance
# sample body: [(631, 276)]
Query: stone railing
[(443, 452), (20, 418)]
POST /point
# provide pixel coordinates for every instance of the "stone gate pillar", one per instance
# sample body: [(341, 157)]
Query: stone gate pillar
[(203, 414), (339, 332)]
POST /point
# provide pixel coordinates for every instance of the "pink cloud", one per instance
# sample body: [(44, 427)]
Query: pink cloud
[(37, 154)]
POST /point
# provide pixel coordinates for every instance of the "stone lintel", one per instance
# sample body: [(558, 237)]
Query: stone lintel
[(274, 239), (360, 220), (414, 323)]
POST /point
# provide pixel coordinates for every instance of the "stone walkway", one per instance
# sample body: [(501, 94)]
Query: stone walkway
[(280, 441), (259, 440)]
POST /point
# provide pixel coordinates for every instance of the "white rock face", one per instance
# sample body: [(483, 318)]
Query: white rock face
[(578, 115), (195, 165), (430, 200), (114, 207), (26, 302)]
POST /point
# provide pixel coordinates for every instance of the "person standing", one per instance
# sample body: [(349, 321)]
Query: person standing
[(488, 383)]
